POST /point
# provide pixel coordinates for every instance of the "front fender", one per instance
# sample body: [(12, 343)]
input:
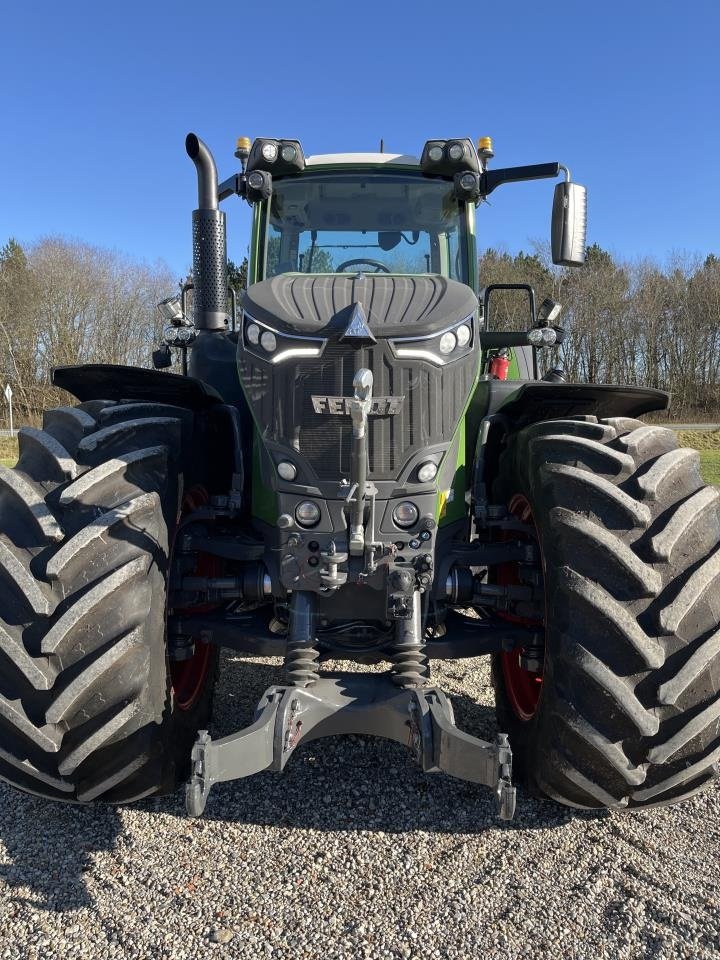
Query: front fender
[(505, 406), (528, 402), (109, 381)]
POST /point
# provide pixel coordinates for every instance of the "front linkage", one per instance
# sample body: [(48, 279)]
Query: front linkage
[(398, 705)]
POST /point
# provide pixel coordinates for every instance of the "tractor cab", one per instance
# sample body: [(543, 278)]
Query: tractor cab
[(375, 214)]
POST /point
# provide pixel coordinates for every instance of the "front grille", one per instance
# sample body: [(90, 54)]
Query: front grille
[(281, 397), (326, 439)]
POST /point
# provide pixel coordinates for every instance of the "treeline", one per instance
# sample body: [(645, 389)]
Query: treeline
[(628, 321), (65, 302)]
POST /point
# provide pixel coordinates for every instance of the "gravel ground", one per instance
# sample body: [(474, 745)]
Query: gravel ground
[(354, 853)]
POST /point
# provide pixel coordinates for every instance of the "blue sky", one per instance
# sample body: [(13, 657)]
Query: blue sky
[(96, 99)]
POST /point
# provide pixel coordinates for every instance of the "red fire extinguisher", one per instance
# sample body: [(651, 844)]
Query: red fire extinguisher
[(499, 366)]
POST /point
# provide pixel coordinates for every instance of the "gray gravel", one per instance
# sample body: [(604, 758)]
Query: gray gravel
[(354, 853)]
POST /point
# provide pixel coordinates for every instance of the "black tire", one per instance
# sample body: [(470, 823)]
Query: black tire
[(87, 711), (629, 711)]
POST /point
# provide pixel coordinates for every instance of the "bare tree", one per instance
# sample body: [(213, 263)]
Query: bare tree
[(65, 302)]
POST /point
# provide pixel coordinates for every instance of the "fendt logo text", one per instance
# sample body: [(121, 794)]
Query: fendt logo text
[(381, 406)]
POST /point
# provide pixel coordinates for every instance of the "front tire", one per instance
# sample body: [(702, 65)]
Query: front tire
[(87, 705), (628, 712)]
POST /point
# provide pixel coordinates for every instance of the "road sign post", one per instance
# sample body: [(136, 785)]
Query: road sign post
[(8, 397)]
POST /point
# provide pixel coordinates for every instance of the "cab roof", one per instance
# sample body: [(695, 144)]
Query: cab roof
[(361, 159)]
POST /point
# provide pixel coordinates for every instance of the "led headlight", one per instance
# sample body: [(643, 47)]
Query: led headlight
[(427, 472), (445, 158), (542, 336), (268, 341), (279, 157), (405, 514), (258, 186), (463, 334), (276, 347), (307, 513), (448, 342), (439, 348), (287, 470), (535, 337), (467, 185)]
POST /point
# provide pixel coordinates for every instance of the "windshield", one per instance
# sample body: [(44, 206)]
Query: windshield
[(370, 222)]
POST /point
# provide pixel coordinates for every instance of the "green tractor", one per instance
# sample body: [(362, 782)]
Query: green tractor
[(356, 464)]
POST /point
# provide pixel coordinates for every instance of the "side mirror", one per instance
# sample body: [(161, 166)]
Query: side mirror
[(569, 224)]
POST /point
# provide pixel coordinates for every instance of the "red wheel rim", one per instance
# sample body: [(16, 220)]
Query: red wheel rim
[(522, 686), (187, 677)]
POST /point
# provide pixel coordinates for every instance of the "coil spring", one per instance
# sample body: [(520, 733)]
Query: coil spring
[(409, 663), (301, 664)]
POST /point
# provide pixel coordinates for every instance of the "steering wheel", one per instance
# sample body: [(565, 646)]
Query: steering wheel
[(379, 266)]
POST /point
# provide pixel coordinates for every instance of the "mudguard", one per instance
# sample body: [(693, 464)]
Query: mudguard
[(504, 406), (108, 381), (522, 403)]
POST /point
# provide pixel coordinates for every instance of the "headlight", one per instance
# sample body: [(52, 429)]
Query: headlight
[(542, 336), (448, 342), (272, 346), (455, 151), (287, 470), (440, 348), (405, 514), (463, 334), (269, 151), (427, 472), (435, 154), (307, 513), (535, 337), (268, 341), (289, 153)]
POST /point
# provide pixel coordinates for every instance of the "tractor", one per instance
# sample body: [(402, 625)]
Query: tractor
[(357, 464)]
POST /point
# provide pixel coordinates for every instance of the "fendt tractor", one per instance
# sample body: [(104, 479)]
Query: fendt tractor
[(357, 464)]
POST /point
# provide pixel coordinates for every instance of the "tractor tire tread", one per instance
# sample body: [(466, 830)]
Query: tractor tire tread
[(628, 714)]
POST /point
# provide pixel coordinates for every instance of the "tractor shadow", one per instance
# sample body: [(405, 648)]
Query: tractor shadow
[(48, 849), (358, 783)]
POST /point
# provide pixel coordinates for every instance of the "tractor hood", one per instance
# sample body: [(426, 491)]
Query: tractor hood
[(395, 306)]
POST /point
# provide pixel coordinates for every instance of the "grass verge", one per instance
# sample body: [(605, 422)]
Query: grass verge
[(708, 444)]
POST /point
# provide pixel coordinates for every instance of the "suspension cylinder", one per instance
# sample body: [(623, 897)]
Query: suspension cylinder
[(302, 652), (409, 659)]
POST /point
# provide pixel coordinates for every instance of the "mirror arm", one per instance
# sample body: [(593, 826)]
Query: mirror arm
[(233, 185), (535, 171)]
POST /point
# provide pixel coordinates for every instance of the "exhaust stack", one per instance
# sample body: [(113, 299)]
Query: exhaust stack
[(210, 280)]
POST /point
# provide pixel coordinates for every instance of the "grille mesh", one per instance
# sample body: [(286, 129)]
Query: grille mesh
[(282, 399)]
